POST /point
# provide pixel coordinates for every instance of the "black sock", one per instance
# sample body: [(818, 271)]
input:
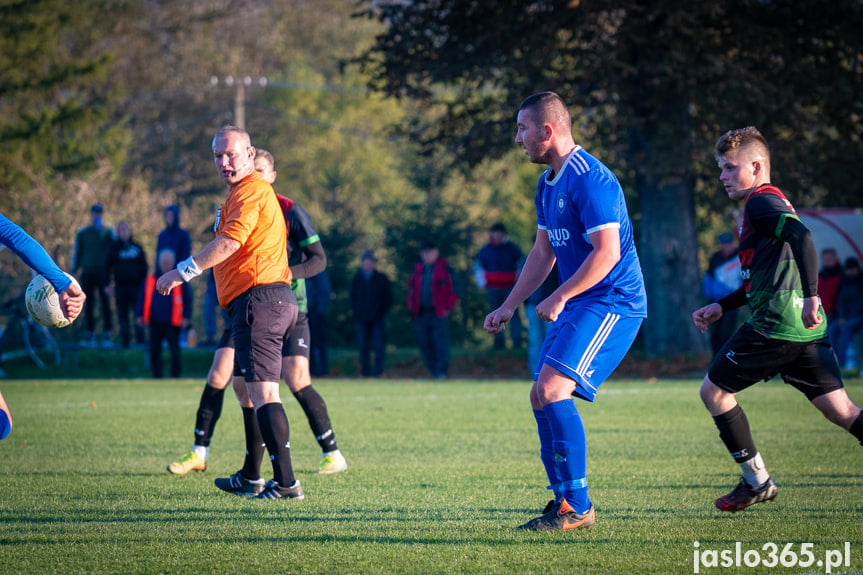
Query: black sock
[(254, 445), (276, 433), (209, 412), (857, 428), (319, 420), (734, 432)]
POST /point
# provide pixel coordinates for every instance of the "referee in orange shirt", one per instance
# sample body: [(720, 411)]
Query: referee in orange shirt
[(250, 260)]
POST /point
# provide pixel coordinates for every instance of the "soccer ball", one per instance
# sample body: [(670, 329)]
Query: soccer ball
[(43, 303)]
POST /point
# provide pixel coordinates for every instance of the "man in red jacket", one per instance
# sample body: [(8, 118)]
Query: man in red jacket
[(431, 299)]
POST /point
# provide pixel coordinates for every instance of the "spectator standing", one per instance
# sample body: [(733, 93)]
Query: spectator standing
[(722, 278), (496, 269), (829, 278), (92, 244), (371, 298), (319, 293), (178, 240), (850, 311), (431, 299), (127, 267), (173, 237), (166, 315)]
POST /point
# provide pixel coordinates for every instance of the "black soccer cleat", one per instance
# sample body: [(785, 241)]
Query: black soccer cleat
[(744, 495), (273, 490), (239, 485)]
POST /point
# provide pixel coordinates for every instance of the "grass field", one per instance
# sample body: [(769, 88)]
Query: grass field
[(440, 474)]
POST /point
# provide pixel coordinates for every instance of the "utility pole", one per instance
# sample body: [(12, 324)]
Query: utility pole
[(239, 85)]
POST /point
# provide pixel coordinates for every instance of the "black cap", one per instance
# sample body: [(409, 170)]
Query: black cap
[(96, 209)]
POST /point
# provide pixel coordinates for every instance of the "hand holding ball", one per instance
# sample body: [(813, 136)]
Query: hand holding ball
[(43, 302)]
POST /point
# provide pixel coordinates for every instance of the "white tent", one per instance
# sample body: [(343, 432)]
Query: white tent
[(837, 228)]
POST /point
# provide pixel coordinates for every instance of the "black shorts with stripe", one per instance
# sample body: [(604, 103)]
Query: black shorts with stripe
[(749, 357)]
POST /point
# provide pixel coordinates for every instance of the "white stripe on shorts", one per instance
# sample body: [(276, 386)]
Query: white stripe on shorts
[(596, 343)]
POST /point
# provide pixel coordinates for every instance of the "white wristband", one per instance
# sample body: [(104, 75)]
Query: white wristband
[(188, 269)]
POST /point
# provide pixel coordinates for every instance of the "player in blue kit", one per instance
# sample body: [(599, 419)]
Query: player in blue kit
[(35, 256), (595, 314)]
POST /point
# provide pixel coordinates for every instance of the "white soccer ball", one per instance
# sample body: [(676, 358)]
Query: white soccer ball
[(43, 303)]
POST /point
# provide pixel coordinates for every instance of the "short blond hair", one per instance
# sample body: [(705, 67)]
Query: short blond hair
[(267, 157)]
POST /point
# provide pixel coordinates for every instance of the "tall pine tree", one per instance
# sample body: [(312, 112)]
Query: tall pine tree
[(58, 110)]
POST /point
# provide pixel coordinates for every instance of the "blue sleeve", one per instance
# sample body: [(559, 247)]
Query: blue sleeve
[(33, 254), (600, 206)]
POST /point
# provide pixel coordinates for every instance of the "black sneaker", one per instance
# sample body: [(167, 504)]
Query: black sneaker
[(744, 495), (239, 485), (561, 517), (273, 490)]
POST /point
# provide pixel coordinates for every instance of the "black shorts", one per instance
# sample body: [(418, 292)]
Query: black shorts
[(749, 357), (261, 319), (227, 339), (297, 344)]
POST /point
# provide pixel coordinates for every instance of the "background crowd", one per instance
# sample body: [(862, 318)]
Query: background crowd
[(113, 269)]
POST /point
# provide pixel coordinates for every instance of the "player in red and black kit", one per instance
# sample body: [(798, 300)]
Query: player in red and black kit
[(786, 333)]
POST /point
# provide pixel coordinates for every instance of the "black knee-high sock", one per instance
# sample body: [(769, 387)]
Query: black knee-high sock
[(734, 432), (209, 412), (319, 420), (276, 433), (254, 445), (857, 428)]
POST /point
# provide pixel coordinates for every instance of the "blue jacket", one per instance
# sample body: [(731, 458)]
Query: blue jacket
[(174, 238)]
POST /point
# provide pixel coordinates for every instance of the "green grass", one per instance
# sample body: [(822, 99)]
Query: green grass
[(439, 476)]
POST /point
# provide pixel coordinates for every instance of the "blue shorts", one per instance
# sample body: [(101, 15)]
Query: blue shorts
[(587, 343), (5, 424)]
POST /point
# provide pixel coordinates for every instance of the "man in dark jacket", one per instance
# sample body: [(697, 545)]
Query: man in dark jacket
[(431, 299), (127, 266), (371, 298), (88, 263)]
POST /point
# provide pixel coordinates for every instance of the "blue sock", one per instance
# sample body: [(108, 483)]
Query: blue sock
[(546, 452), (570, 452)]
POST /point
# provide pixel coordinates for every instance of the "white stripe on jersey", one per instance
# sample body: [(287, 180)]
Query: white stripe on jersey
[(598, 339), (614, 225), (578, 163)]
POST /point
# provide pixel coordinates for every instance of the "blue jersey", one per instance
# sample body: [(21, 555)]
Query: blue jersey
[(33, 254), (585, 197)]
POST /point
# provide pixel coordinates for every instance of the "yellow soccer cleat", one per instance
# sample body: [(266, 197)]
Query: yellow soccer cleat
[(189, 462), (333, 462)]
